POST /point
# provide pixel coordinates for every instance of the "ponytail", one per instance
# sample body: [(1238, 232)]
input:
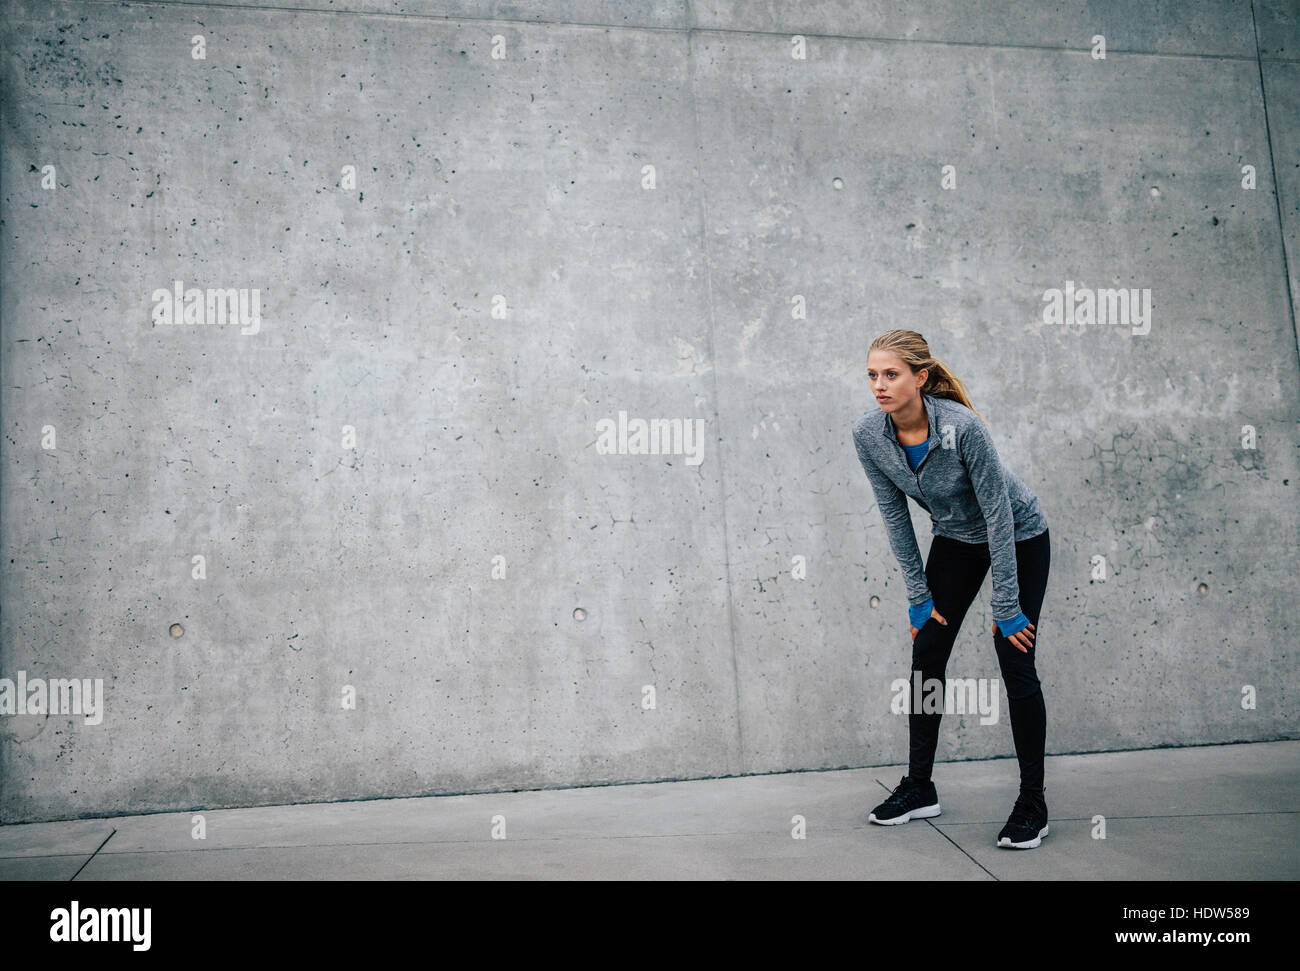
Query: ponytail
[(915, 353)]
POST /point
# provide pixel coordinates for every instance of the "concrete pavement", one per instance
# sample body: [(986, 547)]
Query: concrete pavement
[(1218, 812)]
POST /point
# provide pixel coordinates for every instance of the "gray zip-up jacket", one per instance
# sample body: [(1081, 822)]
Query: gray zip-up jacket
[(970, 495)]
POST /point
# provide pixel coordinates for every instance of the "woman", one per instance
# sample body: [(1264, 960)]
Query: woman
[(927, 442)]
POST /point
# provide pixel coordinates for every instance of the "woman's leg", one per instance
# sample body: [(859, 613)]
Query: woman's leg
[(954, 571), (1019, 674)]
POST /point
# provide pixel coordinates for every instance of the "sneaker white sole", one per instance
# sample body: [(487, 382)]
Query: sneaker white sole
[(925, 812), (1028, 845)]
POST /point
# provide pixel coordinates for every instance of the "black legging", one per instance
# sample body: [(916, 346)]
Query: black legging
[(955, 571)]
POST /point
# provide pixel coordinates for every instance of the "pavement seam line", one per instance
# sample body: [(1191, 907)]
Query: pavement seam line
[(92, 856), (961, 848), (459, 842)]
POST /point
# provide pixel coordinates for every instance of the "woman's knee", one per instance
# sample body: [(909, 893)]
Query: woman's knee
[(933, 645), (1021, 684), (1018, 671)]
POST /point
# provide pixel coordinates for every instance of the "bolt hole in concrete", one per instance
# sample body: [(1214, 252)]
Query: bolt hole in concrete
[(176, 630), (837, 182), (875, 602), (579, 613), (1155, 193), (1203, 588)]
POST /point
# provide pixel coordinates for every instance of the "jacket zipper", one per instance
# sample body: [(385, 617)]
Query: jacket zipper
[(920, 466)]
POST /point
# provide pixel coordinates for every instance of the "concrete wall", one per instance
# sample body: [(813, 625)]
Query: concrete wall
[(519, 182)]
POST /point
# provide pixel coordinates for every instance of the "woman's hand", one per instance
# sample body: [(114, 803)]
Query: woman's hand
[(1023, 639), (933, 613)]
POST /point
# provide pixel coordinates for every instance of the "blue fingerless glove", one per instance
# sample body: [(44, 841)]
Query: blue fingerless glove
[(1009, 627), (918, 614)]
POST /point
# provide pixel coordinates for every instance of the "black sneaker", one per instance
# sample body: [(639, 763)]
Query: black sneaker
[(911, 800), (1028, 823)]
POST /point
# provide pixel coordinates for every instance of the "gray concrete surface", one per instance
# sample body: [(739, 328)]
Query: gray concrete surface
[(522, 177), (1222, 812)]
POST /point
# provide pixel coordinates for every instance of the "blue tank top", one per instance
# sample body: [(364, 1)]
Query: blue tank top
[(916, 452)]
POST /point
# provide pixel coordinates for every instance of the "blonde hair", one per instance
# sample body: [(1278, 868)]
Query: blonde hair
[(915, 353)]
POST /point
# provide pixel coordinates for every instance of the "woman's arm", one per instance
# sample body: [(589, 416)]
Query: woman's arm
[(892, 503), (985, 470)]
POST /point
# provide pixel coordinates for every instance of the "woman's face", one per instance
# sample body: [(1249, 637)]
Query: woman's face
[(892, 381)]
